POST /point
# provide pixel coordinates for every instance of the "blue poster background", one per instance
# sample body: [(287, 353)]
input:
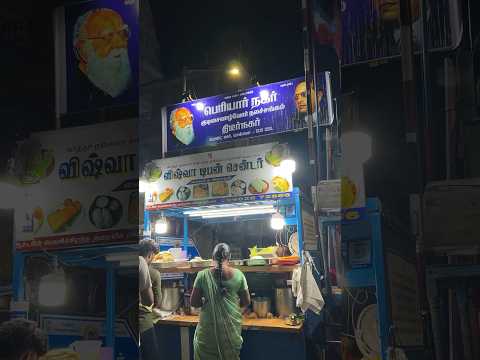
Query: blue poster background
[(81, 94), (257, 111)]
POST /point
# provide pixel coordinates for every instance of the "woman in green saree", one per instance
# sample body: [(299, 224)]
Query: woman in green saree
[(221, 292)]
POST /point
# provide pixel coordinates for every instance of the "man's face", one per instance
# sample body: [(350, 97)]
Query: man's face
[(104, 50), (389, 10), (150, 258), (106, 31), (301, 97), (182, 126)]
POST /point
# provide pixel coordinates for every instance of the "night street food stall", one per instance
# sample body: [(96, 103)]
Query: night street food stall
[(76, 237), (243, 197)]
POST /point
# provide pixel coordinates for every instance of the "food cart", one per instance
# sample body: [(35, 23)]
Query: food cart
[(78, 209), (258, 333), (283, 340)]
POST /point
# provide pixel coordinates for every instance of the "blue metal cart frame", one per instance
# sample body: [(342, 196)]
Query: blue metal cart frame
[(374, 275), (294, 200), (93, 257)]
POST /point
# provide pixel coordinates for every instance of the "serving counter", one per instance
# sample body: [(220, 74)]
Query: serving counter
[(262, 338)]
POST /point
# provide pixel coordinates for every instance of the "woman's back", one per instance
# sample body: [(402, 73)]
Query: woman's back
[(218, 334)]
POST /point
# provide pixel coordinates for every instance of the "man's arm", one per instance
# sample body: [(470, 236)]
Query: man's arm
[(147, 297), (144, 283)]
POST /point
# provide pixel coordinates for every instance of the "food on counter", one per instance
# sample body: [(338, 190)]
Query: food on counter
[(256, 261), (200, 191), (105, 212), (219, 188), (61, 354), (183, 193), (64, 216), (165, 194), (280, 184), (163, 256), (276, 155), (258, 186), (238, 187), (269, 315), (288, 260), (199, 262), (265, 252)]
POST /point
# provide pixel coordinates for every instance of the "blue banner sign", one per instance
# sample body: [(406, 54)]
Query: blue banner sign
[(257, 111)]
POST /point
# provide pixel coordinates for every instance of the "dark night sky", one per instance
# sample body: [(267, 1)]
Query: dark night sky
[(264, 35)]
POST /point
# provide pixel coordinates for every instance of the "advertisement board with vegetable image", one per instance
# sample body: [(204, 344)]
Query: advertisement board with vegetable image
[(223, 176), (78, 186)]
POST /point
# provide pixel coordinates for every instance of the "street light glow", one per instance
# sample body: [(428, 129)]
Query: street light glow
[(200, 106), (234, 71)]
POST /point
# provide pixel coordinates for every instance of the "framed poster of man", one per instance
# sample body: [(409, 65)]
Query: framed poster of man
[(97, 55)]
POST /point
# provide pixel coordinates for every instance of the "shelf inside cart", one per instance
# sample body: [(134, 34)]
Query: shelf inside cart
[(245, 269)]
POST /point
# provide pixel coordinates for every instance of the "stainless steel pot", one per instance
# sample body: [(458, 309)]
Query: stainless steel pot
[(171, 298), (284, 302), (194, 310), (261, 306)]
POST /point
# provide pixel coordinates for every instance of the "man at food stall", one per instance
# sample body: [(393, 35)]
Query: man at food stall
[(148, 340), (221, 292), (156, 279), (21, 340)]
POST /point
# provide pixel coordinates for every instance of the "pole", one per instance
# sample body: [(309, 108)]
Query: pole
[(307, 10), (414, 139), (184, 80), (426, 93), (110, 319)]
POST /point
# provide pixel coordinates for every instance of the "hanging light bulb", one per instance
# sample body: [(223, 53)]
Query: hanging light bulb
[(288, 166), (161, 226), (277, 222), (52, 289)]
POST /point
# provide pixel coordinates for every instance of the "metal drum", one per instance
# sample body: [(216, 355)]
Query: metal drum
[(284, 302), (171, 298)]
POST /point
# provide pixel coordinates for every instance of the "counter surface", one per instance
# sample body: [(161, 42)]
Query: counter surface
[(245, 269), (247, 324)]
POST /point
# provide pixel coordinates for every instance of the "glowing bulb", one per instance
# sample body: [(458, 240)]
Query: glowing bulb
[(235, 71), (277, 222), (264, 94), (161, 226), (288, 166), (52, 290)]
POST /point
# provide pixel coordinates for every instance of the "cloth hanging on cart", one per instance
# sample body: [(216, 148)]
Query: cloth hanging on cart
[(305, 289)]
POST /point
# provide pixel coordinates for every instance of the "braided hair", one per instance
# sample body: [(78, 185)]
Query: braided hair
[(221, 253)]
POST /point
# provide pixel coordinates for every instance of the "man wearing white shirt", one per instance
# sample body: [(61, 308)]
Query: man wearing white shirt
[(148, 339)]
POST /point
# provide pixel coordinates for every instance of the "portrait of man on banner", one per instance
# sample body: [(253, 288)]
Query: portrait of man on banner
[(301, 104), (102, 55)]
